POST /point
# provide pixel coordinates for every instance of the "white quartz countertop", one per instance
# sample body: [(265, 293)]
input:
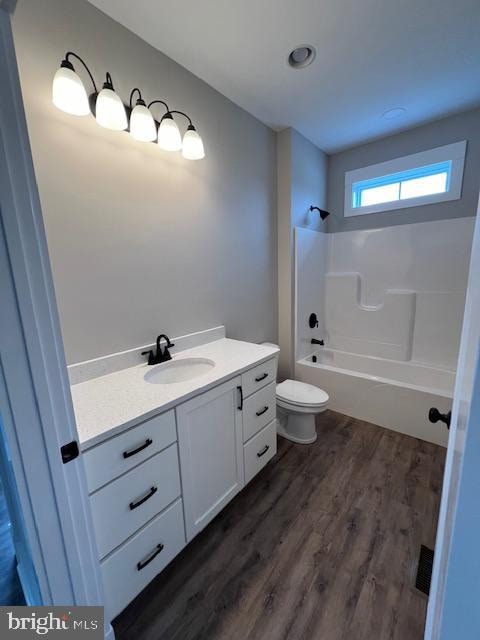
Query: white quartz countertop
[(112, 403)]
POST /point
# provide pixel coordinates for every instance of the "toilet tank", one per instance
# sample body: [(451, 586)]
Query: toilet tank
[(270, 344)]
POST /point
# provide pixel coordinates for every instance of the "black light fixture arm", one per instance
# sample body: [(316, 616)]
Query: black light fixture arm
[(184, 115), (75, 55), (140, 100), (160, 102), (72, 96), (323, 214), (108, 84)]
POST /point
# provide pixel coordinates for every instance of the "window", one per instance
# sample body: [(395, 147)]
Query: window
[(422, 178)]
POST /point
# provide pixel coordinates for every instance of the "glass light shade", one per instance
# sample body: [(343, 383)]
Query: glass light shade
[(192, 145), (110, 111), (69, 94), (169, 138), (142, 124)]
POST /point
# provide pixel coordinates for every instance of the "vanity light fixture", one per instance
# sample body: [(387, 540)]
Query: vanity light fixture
[(69, 95), (109, 109), (68, 91), (192, 145), (169, 138), (192, 148), (142, 124)]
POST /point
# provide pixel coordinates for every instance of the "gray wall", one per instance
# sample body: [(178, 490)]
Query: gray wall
[(301, 182), (142, 241), (464, 126), (309, 183)]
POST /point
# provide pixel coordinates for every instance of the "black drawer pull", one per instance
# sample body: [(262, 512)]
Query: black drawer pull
[(262, 411), (240, 406), (134, 505), (147, 443), (263, 451), (260, 378), (142, 565)]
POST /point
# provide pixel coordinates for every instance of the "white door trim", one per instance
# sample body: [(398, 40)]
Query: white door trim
[(30, 267)]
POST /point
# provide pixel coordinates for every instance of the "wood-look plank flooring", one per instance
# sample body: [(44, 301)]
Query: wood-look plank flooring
[(322, 545), (10, 589)]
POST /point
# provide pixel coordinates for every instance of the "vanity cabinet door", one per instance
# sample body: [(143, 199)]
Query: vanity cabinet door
[(211, 453)]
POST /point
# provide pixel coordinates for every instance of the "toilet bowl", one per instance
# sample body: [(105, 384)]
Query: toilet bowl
[(297, 405)]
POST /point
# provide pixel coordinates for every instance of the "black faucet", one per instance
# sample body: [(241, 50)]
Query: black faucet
[(160, 356), (315, 341)]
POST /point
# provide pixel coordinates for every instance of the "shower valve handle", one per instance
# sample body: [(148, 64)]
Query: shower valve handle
[(434, 415), (313, 321)]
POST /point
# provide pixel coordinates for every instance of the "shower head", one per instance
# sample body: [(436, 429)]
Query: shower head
[(323, 214)]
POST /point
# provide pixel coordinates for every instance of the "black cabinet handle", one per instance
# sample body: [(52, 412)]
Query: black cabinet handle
[(134, 505), (142, 565), (240, 391), (434, 415), (260, 378), (262, 411), (263, 451), (147, 443)]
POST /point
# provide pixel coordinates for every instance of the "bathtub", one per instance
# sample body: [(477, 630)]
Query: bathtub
[(393, 394)]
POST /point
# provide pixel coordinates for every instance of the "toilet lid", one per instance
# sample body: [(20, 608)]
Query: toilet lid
[(302, 393)]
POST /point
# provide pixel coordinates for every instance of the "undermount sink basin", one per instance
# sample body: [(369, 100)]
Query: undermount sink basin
[(179, 370)]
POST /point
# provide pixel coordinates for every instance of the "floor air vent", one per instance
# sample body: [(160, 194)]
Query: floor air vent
[(424, 571)]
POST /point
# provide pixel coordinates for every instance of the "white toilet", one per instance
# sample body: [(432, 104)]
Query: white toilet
[(297, 405)]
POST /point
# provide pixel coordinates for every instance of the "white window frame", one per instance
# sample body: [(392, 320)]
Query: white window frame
[(450, 152)]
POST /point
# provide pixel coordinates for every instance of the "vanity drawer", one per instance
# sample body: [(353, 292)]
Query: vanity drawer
[(110, 459), (259, 450), (258, 410), (259, 377), (131, 567), (126, 504)]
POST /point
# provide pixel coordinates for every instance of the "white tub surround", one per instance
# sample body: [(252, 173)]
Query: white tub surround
[(396, 292), (163, 458), (107, 405), (311, 265), (430, 261), (384, 329), (411, 374), (390, 306)]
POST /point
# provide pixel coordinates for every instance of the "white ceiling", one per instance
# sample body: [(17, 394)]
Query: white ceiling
[(372, 55)]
